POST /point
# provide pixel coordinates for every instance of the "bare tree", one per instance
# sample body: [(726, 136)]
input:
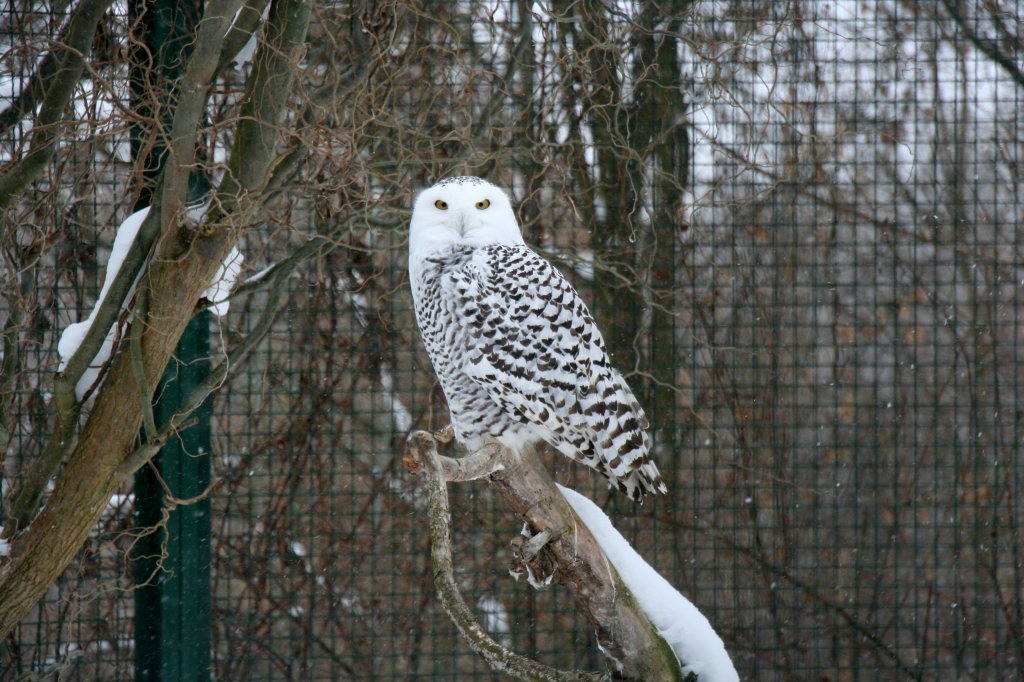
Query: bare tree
[(173, 261)]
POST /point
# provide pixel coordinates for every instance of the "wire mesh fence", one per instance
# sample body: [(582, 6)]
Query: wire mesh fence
[(798, 226)]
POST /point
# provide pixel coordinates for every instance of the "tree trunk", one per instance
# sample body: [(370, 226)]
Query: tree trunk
[(184, 261), (95, 467)]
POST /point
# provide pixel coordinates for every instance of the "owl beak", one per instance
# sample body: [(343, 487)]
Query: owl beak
[(462, 224)]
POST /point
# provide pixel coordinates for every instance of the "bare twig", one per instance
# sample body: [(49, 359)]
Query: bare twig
[(58, 75)]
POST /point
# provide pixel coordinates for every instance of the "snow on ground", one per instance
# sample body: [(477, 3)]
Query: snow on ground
[(679, 622)]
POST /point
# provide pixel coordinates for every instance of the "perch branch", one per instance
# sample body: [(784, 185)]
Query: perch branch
[(571, 555), (421, 457)]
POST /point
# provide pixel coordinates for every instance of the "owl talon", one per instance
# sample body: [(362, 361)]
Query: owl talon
[(445, 435), (527, 558), (532, 547)]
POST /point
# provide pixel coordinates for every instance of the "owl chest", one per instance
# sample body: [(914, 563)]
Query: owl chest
[(446, 316)]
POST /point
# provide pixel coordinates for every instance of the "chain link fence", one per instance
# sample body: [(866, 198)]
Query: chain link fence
[(799, 226)]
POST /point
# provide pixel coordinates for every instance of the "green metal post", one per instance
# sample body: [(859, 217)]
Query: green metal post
[(172, 564), (172, 618)]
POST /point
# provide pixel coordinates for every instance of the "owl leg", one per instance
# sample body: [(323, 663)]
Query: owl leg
[(421, 455)]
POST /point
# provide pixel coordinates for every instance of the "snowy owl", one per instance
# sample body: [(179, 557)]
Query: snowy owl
[(518, 354)]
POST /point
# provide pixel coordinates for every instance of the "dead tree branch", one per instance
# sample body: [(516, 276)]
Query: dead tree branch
[(421, 457), (571, 557)]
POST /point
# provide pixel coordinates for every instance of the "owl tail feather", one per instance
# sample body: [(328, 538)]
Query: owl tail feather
[(644, 479)]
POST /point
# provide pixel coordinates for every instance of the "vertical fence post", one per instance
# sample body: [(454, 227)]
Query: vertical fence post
[(172, 610), (172, 564)]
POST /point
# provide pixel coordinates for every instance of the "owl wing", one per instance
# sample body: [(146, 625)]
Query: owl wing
[(537, 352)]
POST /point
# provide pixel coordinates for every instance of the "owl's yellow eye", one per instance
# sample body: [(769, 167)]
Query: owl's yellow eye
[(443, 205), (483, 204)]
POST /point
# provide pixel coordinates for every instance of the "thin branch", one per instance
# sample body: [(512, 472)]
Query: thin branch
[(26, 504), (193, 92), (34, 89), (989, 48), (59, 74), (242, 29), (262, 108), (217, 376)]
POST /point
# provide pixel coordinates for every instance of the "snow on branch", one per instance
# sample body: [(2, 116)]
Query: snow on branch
[(73, 336), (679, 622), (224, 282)]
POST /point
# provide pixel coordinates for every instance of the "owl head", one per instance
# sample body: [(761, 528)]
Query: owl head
[(461, 211)]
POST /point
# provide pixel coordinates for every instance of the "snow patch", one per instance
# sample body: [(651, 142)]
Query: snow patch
[(401, 418), (119, 506), (75, 333), (73, 336), (496, 620), (679, 622), (223, 282), (120, 501)]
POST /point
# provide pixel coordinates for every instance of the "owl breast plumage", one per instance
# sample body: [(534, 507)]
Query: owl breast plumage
[(517, 353)]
